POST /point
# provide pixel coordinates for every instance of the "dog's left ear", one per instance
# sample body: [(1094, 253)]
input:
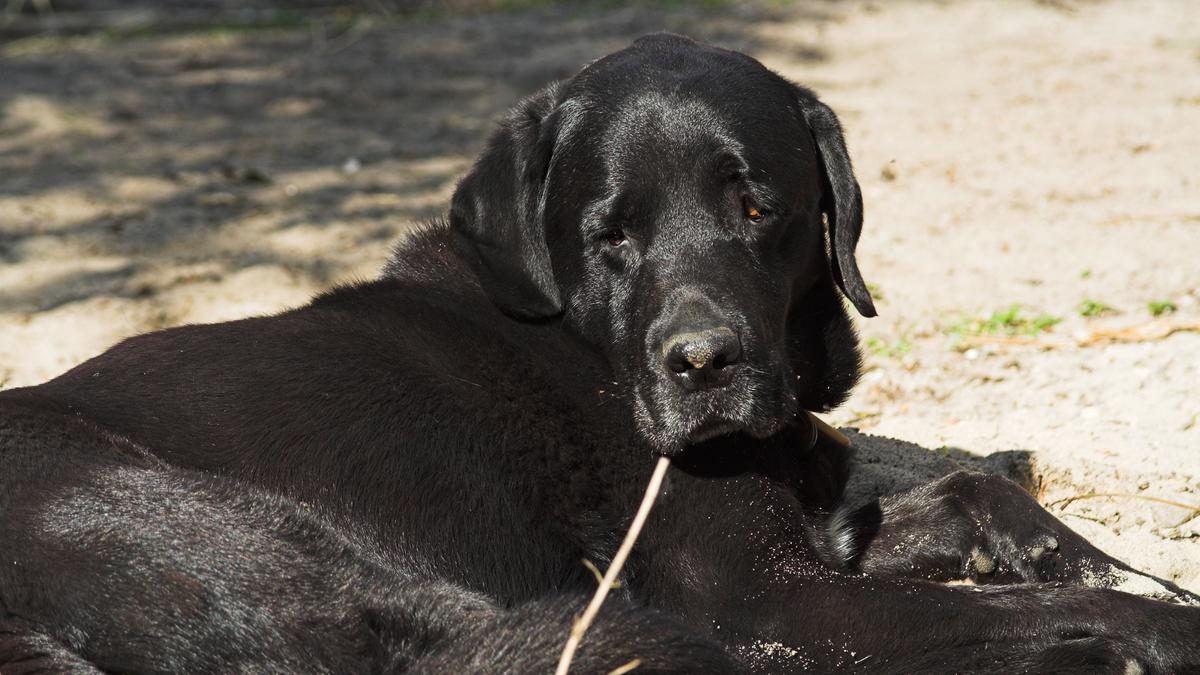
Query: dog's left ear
[(841, 200), (496, 212)]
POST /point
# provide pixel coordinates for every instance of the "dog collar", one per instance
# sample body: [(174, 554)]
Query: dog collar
[(822, 430)]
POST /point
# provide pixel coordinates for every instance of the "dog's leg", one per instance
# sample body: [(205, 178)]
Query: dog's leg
[(981, 528), (753, 578), (529, 639), (25, 651), (787, 615)]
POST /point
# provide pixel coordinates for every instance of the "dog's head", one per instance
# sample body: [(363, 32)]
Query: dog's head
[(674, 203)]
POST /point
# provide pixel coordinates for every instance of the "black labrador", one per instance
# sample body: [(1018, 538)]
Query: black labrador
[(408, 474)]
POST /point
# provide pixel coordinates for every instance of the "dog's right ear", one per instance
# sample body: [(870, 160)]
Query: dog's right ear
[(841, 201), (496, 212)]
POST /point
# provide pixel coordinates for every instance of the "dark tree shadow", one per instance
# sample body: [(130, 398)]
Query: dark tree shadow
[(224, 120)]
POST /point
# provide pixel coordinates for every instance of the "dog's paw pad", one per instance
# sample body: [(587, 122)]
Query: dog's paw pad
[(982, 562), (1045, 545)]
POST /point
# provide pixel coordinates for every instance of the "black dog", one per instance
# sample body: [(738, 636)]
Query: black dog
[(408, 473)]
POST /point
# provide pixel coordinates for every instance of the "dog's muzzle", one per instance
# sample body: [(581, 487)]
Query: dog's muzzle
[(700, 348)]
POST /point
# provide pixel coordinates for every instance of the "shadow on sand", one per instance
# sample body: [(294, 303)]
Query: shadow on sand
[(884, 466)]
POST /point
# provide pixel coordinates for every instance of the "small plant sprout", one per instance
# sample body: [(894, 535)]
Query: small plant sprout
[(1090, 308), (885, 349), (1009, 322), (1160, 307)]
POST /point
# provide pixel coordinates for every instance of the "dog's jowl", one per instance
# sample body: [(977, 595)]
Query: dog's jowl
[(653, 257)]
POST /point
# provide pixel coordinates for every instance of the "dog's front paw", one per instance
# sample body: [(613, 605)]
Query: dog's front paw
[(1040, 554)]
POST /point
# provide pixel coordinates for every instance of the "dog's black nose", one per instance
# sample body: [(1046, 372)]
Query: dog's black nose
[(700, 359)]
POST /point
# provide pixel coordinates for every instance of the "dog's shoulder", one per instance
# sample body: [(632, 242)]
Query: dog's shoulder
[(418, 356), (425, 314)]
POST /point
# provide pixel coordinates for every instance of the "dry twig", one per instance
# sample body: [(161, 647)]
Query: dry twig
[(632, 665), (1155, 330), (635, 528), (1147, 332), (1067, 501), (1010, 341)]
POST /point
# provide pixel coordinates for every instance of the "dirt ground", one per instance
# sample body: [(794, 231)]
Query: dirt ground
[(1043, 155)]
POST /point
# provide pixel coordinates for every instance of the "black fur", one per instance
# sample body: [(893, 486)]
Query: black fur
[(408, 474)]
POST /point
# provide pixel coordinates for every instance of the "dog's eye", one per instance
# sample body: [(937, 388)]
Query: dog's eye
[(614, 237), (754, 212)]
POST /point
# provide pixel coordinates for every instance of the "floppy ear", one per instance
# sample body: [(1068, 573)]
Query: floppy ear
[(496, 212), (841, 201)]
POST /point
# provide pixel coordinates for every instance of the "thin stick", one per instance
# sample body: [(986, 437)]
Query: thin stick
[(628, 667), (1147, 332), (1155, 330), (1019, 340), (635, 528), (1067, 501)]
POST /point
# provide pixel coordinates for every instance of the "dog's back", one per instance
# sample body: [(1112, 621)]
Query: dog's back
[(395, 405)]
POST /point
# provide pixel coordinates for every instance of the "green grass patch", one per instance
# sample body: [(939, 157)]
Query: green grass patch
[(1090, 308), (892, 350), (1011, 321), (1160, 307)]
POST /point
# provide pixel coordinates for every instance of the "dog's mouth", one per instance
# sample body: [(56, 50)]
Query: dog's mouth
[(717, 428), (753, 403), (710, 429)]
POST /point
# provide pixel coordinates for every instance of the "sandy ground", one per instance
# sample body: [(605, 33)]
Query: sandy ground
[(1011, 153)]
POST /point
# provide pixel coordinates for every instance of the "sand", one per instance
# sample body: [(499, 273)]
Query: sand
[(1010, 153)]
